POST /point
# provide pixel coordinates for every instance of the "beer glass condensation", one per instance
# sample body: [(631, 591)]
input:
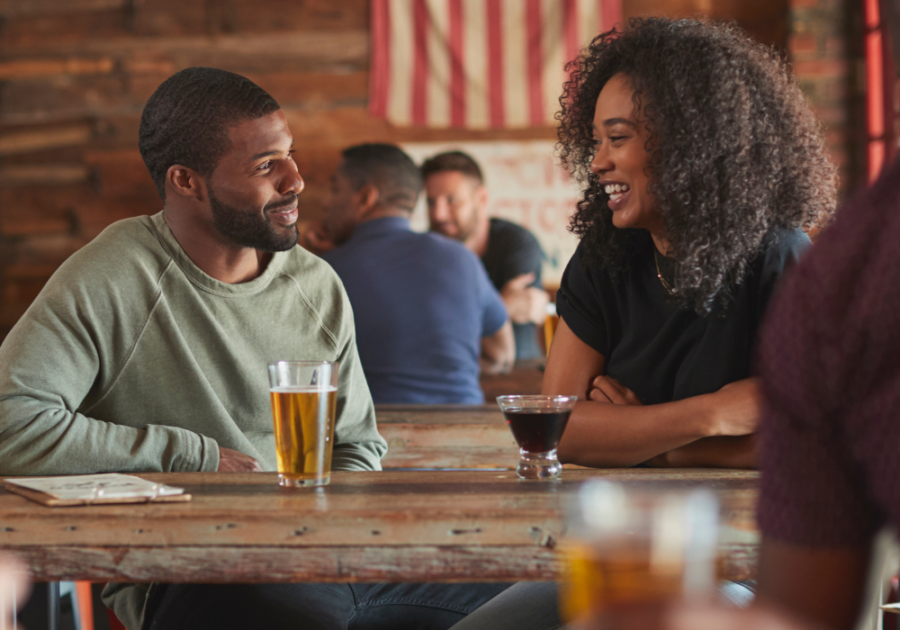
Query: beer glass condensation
[(304, 399)]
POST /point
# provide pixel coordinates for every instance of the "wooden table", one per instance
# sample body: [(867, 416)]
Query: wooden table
[(446, 436), (526, 377), (393, 526)]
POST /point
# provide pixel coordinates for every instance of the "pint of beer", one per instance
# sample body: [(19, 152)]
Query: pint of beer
[(304, 398), (636, 549)]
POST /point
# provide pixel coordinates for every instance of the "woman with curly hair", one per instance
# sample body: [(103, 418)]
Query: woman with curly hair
[(703, 168)]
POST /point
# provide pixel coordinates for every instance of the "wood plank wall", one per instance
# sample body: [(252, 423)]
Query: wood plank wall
[(74, 75)]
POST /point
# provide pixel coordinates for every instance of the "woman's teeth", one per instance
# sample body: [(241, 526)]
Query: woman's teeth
[(616, 191)]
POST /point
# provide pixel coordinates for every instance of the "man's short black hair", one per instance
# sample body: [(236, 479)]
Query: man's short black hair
[(453, 161), (186, 120), (386, 167)]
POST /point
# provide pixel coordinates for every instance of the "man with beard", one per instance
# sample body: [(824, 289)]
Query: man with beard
[(146, 350), (424, 307), (458, 208)]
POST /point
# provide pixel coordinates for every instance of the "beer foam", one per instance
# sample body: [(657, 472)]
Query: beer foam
[(305, 389)]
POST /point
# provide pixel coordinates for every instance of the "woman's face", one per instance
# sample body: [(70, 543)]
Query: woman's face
[(620, 158)]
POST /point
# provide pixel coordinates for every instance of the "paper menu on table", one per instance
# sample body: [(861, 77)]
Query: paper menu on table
[(86, 489)]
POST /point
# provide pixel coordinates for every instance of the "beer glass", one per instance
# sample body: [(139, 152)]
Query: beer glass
[(304, 398), (631, 550), (537, 423)]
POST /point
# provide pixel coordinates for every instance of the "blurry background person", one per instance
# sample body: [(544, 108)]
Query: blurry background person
[(14, 589), (424, 307), (703, 165), (458, 208)]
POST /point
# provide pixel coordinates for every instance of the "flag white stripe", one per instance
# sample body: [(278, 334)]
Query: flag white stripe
[(399, 100), (515, 63)]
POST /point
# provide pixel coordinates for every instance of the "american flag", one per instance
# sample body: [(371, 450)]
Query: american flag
[(477, 63)]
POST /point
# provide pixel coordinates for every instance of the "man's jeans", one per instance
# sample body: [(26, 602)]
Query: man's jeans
[(314, 606)]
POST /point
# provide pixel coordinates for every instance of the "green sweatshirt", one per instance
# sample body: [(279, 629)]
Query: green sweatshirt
[(132, 359)]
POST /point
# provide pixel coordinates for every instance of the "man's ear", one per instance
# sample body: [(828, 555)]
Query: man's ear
[(367, 199), (185, 182), (482, 199)]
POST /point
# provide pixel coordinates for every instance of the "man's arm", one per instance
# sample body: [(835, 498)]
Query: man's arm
[(498, 351), (611, 430), (820, 584), (525, 304), (49, 363)]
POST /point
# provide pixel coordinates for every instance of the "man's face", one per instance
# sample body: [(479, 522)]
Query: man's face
[(341, 209), (254, 190), (457, 204)]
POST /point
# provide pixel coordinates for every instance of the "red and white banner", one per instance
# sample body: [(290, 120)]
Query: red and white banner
[(478, 63)]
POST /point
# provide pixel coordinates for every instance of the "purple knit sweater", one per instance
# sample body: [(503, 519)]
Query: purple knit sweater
[(830, 361)]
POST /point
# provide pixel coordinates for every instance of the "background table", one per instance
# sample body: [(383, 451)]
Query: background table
[(393, 526)]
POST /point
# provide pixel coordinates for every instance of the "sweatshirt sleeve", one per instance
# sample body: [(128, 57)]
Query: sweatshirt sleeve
[(357, 443), (61, 352)]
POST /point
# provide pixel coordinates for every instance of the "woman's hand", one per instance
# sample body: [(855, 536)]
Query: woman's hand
[(734, 409), (606, 389)]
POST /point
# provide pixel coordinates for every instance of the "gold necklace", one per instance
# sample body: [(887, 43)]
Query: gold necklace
[(669, 288)]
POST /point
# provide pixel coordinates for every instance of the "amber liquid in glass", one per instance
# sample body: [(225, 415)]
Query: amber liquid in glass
[(304, 433)]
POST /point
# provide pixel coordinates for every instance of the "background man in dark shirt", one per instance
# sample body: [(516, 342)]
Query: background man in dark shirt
[(424, 307), (457, 207)]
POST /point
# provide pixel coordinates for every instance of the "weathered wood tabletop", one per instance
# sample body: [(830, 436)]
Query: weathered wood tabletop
[(446, 436), (393, 526)]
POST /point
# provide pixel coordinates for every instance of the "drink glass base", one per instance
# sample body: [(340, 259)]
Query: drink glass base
[(303, 482), (539, 465)]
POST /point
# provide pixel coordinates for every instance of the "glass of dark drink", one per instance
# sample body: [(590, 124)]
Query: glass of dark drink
[(537, 424)]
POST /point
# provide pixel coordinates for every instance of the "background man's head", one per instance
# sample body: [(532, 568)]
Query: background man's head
[(457, 197), (189, 122), (372, 180)]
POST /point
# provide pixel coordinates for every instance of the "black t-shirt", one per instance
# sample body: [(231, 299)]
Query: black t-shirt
[(511, 251), (657, 351)]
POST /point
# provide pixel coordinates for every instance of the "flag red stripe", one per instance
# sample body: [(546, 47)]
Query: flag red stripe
[(534, 56), (496, 102), (457, 76), (611, 13), (419, 109), (381, 58)]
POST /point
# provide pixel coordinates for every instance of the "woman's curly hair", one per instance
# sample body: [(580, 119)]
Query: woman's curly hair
[(734, 151)]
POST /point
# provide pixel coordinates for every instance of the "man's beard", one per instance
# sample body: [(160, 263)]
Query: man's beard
[(249, 229)]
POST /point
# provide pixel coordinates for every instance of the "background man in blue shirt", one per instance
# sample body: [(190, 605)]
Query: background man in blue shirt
[(458, 208), (426, 312)]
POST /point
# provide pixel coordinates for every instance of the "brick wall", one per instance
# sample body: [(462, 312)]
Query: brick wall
[(825, 47)]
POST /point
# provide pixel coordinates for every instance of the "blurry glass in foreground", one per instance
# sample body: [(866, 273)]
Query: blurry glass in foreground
[(14, 590), (637, 550), (304, 399)]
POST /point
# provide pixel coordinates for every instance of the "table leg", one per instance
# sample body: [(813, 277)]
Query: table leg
[(53, 606)]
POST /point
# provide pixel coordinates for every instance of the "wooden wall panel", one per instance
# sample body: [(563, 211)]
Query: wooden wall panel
[(75, 74)]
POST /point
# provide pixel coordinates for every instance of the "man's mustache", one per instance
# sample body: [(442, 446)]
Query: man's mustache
[(283, 204)]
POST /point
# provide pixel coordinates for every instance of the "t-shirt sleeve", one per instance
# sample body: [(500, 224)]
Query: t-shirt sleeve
[(812, 491), (492, 308), (521, 254), (578, 304)]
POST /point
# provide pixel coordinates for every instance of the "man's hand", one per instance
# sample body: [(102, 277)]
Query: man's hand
[(606, 389), (15, 587), (524, 304), (235, 461)]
